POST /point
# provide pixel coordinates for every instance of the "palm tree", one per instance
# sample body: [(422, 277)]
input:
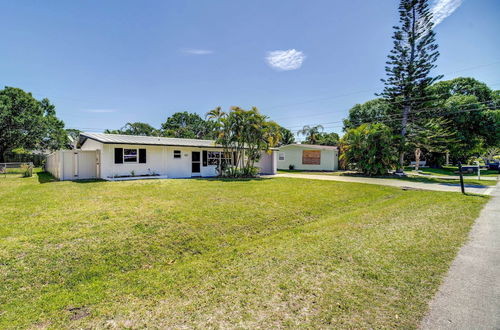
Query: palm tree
[(215, 114), (215, 121), (311, 133)]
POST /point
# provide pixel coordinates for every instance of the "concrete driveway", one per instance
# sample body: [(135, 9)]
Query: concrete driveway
[(469, 297), (392, 182)]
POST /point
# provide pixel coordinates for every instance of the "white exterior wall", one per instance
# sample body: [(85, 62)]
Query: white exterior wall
[(268, 162), (181, 167), (160, 160), (155, 161), (293, 156), (92, 145)]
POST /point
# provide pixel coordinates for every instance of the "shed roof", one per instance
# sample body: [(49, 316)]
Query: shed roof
[(145, 140), (310, 146)]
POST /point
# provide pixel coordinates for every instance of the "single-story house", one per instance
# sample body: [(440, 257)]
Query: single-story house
[(114, 156), (308, 157)]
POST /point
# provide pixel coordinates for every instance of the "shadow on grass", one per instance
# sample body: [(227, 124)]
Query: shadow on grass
[(46, 177), (88, 181), (232, 179), (476, 195)]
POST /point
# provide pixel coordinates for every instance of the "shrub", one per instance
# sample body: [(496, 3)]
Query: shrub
[(291, 167), (236, 172), (370, 149), (26, 170)]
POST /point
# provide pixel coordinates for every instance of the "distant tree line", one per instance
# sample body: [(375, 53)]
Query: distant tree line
[(315, 135), (188, 125)]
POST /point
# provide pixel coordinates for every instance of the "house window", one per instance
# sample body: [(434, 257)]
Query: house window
[(130, 155), (281, 156), (311, 157), (177, 154), (217, 157), (213, 157)]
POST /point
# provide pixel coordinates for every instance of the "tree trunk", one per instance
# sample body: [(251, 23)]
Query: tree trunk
[(404, 123), (407, 94), (2, 154), (417, 158)]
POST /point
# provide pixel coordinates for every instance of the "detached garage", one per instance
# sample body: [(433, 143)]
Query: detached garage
[(308, 157)]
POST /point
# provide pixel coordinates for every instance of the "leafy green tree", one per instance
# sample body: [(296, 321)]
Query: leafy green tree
[(410, 63), (471, 108), (328, 139), (137, 128), (373, 111), (287, 137), (73, 135), (27, 123), (187, 125), (431, 135), (466, 86), (311, 133), (490, 154), (55, 136), (21, 119), (73, 132), (369, 148), (244, 134)]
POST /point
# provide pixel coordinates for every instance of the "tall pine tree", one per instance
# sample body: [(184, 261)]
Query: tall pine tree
[(409, 64)]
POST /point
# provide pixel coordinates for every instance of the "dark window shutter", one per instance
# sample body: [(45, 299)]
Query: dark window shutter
[(205, 158), (142, 156), (233, 161), (118, 155)]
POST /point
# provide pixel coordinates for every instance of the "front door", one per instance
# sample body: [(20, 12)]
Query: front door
[(195, 163)]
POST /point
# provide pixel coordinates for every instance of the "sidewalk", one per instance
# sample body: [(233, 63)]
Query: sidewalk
[(487, 190), (469, 297)]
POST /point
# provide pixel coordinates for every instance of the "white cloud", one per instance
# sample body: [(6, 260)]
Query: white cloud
[(444, 8), (100, 110), (193, 51), (285, 60)]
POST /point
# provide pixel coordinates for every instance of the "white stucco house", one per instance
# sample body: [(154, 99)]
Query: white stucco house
[(308, 157), (114, 156)]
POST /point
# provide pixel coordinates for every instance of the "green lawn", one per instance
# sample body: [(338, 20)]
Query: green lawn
[(217, 254), (412, 178), (467, 181), (450, 170)]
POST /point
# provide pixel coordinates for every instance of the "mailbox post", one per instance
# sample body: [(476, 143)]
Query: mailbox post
[(461, 177)]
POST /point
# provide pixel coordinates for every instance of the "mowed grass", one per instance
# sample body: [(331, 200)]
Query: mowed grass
[(450, 171), (212, 253), (411, 177)]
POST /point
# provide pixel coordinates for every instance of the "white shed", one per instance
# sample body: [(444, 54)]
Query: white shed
[(308, 157)]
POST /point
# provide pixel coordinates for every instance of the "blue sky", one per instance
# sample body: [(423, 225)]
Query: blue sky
[(105, 63)]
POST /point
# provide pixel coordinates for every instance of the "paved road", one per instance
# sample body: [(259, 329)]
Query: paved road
[(469, 297), (392, 182)]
